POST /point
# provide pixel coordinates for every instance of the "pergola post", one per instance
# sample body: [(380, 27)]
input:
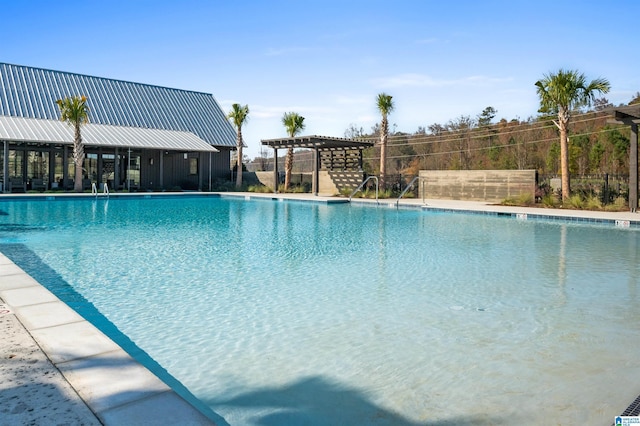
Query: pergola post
[(316, 171), (633, 168), (275, 170)]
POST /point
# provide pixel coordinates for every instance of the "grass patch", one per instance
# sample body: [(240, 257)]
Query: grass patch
[(550, 200), (576, 202), (524, 199), (619, 205), (261, 189), (593, 203)]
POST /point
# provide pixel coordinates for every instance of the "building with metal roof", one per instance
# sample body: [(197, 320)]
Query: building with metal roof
[(139, 135)]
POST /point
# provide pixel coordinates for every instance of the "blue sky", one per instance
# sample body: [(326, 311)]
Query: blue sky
[(327, 60)]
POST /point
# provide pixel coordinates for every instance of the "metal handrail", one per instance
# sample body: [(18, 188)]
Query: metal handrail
[(105, 189), (363, 184), (406, 189)]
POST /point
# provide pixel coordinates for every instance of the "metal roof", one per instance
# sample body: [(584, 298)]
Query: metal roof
[(33, 130), (29, 92), (322, 143)]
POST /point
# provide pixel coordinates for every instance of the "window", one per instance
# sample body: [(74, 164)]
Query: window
[(193, 166)]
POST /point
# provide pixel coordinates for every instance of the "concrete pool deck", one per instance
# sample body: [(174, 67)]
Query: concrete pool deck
[(57, 368)]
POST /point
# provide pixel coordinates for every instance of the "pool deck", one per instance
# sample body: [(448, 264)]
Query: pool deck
[(57, 368)]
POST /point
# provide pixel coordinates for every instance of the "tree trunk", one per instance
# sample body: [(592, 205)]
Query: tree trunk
[(288, 167), (239, 173), (563, 120), (384, 129), (78, 159)]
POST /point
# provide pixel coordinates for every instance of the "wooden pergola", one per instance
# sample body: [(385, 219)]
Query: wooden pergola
[(630, 116), (336, 148)]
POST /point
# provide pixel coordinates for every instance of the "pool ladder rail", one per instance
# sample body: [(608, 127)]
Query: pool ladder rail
[(95, 192), (410, 186), (362, 185)]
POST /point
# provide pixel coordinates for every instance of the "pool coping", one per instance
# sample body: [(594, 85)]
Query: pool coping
[(117, 389)]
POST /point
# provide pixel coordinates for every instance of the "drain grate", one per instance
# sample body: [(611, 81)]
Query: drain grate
[(633, 409)]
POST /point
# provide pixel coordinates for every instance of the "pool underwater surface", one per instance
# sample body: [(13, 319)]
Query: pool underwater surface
[(304, 313)]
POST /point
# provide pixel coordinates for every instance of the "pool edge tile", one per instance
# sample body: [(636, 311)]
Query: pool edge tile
[(111, 379), (162, 409)]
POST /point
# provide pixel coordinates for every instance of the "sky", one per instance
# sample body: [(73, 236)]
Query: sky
[(328, 60)]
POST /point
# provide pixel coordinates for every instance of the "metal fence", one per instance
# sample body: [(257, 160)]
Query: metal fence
[(606, 187)]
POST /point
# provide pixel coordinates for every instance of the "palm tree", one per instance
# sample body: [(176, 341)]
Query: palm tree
[(74, 111), (239, 115), (385, 106), (294, 123), (563, 93)]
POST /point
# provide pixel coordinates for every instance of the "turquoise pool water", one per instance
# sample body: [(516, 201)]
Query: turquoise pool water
[(300, 313)]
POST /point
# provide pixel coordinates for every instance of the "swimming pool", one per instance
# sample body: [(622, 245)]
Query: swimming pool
[(303, 313)]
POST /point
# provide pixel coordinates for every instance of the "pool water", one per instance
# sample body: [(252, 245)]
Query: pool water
[(306, 313)]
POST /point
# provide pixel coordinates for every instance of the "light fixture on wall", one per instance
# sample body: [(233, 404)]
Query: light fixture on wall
[(151, 161), (185, 155)]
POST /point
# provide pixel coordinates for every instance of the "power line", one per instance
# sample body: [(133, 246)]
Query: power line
[(508, 145)]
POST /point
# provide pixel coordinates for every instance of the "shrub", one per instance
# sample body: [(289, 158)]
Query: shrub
[(550, 200), (510, 201), (385, 193), (576, 201), (619, 204), (345, 192), (593, 203)]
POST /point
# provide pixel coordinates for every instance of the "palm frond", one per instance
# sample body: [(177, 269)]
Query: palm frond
[(293, 122)]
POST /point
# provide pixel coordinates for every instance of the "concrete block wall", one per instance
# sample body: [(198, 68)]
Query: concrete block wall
[(477, 185), (332, 182)]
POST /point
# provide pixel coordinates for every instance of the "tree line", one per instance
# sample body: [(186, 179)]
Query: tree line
[(465, 143), (570, 136)]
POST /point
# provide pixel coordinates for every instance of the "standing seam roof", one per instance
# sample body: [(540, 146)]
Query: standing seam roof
[(20, 129), (29, 92)]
